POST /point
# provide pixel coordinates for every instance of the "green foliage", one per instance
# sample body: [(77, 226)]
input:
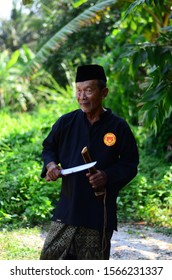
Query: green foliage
[(78, 3), (154, 60), (133, 6), (132, 40), (148, 197), (56, 41), (24, 27), (160, 145), (23, 94), (139, 64), (24, 197), (14, 91), (156, 101), (28, 200), (26, 2)]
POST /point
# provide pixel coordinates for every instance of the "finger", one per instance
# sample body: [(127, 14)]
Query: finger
[(99, 188), (54, 174), (95, 180), (47, 178)]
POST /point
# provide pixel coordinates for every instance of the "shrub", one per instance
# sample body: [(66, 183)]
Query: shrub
[(148, 197), (28, 200)]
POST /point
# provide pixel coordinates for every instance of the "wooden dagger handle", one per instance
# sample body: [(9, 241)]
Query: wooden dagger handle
[(87, 159)]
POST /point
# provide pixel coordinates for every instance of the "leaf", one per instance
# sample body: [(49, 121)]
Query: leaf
[(152, 114), (155, 94), (28, 53), (169, 96), (151, 55), (133, 6), (78, 3), (139, 58), (61, 36), (147, 106), (148, 2), (26, 2), (166, 28), (13, 59)]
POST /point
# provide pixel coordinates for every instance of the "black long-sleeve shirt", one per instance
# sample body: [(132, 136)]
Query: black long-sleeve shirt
[(110, 143)]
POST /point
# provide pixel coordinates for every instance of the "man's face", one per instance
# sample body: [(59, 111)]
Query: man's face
[(89, 96)]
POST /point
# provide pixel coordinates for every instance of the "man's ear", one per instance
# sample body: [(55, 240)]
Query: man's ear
[(104, 92)]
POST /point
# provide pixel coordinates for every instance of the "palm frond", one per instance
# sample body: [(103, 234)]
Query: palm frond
[(132, 7), (58, 39)]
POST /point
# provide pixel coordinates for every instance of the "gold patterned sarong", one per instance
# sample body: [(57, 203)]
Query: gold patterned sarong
[(65, 242)]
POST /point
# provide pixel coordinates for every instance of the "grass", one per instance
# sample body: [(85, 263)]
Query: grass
[(27, 200), (26, 243), (21, 244)]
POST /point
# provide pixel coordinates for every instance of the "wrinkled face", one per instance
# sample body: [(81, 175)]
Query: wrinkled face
[(89, 96)]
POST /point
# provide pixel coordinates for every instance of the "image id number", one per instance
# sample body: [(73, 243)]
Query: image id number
[(132, 270)]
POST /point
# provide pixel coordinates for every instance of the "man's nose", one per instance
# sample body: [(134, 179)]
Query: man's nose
[(82, 95)]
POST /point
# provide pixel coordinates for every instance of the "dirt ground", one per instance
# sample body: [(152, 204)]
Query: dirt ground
[(140, 242)]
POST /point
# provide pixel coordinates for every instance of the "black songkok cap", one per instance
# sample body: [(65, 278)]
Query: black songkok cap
[(90, 72)]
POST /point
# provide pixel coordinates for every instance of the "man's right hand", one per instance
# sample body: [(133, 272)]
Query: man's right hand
[(53, 171)]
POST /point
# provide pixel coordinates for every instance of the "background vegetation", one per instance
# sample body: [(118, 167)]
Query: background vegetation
[(40, 47)]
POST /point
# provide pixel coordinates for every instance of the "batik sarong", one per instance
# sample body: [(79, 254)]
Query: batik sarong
[(65, 242)]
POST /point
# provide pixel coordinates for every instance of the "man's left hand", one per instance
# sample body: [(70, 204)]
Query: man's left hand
[(98, 180)]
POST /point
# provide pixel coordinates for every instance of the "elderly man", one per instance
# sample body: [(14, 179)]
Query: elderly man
[(85, 215)]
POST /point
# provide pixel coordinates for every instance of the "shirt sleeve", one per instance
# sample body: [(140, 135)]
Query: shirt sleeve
[(50, 147), (125, 169)]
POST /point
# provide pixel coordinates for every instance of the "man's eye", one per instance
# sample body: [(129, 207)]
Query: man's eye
[(88, 90)]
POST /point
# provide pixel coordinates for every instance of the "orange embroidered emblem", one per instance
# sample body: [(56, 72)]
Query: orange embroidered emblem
[(109, 139)]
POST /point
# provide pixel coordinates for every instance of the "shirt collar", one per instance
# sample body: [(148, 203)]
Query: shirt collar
[(103, 115)]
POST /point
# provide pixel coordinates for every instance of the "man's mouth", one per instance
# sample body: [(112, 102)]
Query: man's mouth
[(84, 104)]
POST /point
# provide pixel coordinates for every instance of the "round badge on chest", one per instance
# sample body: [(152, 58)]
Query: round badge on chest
[(109, 139)]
